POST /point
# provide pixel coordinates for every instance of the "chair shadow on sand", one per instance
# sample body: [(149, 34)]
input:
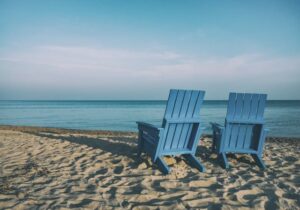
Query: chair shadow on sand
[(115, 145), (127, 146)]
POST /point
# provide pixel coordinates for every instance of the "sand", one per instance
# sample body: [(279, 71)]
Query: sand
[(55, 169)]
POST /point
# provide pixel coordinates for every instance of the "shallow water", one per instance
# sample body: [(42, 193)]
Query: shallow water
[(282, 117)]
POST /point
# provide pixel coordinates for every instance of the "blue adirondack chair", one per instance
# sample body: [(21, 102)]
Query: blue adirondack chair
[(244, 130), (180, 131)]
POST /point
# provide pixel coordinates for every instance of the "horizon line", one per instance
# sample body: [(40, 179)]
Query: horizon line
[(116, 100)]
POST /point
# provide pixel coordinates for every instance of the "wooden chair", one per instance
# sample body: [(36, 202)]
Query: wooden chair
[(180, 131), (244, 130)]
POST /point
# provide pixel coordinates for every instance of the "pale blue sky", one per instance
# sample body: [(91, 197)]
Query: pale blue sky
[(63, 49)]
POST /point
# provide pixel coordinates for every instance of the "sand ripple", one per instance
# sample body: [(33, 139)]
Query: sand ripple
[(100, 171)]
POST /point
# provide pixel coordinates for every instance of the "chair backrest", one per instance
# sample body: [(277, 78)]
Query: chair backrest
[(181, 119), (244, 120)]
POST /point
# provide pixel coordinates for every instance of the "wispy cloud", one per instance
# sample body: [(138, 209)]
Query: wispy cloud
[(84, 66), (88, 58)]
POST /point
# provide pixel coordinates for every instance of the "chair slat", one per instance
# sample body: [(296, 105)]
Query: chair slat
[(246, 106), (176, 113), (170, 135), (234, 136), (192, 104), (171, 103), (231, 106), (248, 136), (183, 135), (178, 141), (254, 106), (244, 117), (185, 104), (178, 104), (261, 106), (198, 105), (238, 106), (241, 136)]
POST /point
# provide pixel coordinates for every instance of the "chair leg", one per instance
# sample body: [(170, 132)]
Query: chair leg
[(194, 162), (224, 162), (213, 147), (139, 149), (140, 145), (139, 152), (258, 161), (162, 165)]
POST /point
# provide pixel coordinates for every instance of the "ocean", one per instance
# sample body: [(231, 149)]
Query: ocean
[(282, 117)]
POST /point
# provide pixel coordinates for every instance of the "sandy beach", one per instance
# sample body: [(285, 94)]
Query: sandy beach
[(45, 168)]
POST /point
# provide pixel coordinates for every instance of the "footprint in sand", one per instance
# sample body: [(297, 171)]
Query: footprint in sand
[(291, 159), (81, 203), (118, 169), (244, 196), (116, 161), (90, 189), (101, 171)]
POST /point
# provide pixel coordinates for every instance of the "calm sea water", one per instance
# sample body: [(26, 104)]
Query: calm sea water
[(282, 117)]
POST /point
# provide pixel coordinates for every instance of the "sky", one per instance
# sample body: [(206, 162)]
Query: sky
[(120, 50)]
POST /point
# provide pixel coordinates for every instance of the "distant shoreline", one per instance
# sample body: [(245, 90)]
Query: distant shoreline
[(104, 132)]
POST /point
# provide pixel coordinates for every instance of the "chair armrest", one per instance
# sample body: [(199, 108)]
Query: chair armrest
[(147, 126), (217, 136), (149, 133)]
